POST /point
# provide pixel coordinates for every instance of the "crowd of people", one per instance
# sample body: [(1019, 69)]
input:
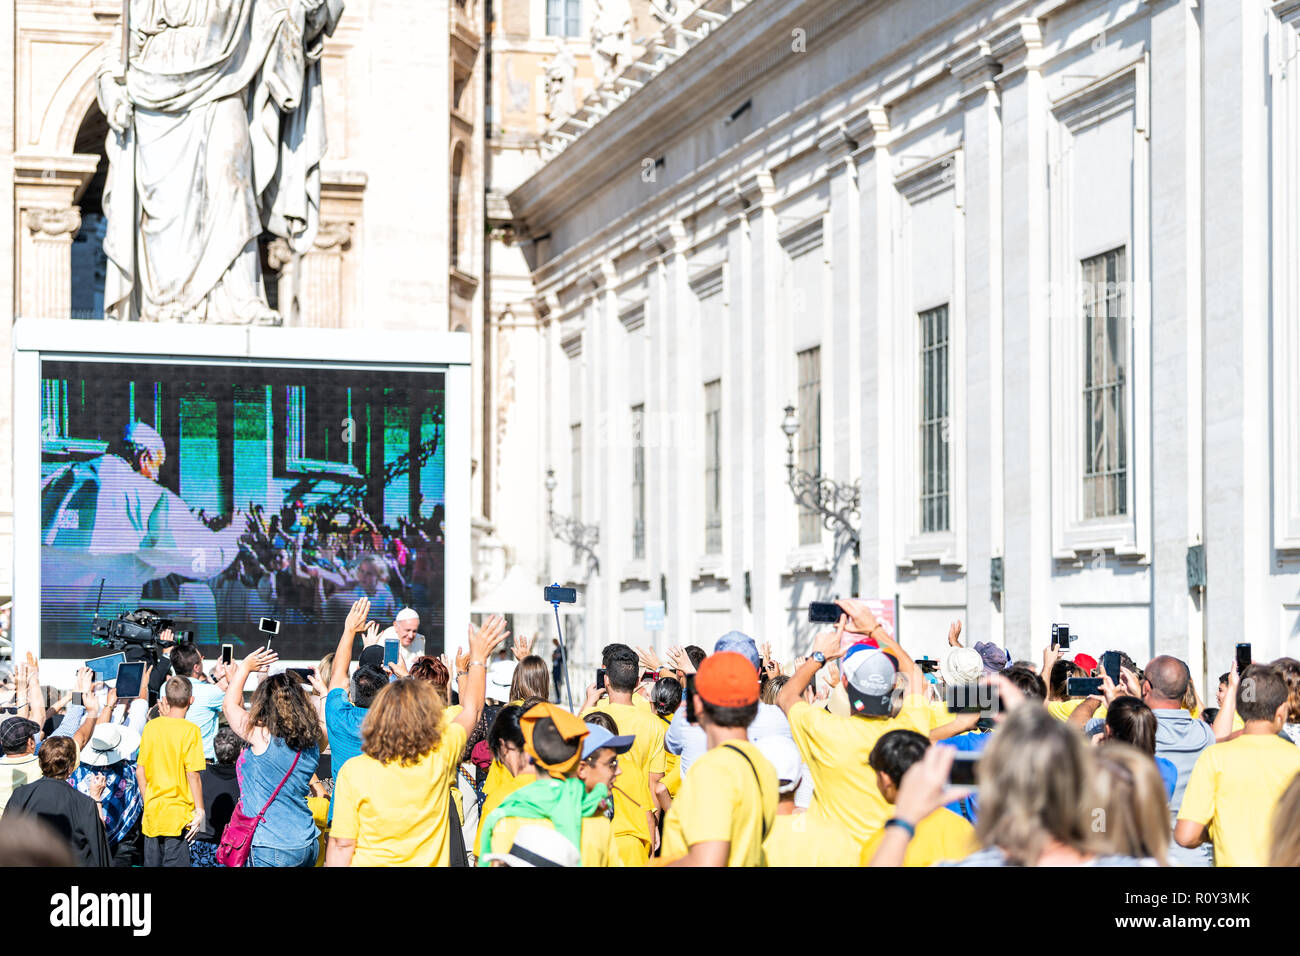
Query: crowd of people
[(849, 756), (305, 565)]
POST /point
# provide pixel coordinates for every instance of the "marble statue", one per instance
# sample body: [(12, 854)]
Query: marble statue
[(560, 72), (611, 38), (216, 135)]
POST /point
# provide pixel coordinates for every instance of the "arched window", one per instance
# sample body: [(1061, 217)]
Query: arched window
[(457, 169), (89, 263)]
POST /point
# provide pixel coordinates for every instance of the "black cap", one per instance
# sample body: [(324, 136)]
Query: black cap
[(372, 656), (16, 731)]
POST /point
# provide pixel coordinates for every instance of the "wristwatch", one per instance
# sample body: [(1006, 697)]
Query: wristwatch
[(817, 656)]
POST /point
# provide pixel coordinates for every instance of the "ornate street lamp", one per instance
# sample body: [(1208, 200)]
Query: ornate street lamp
[(581, 537), (838, 504)]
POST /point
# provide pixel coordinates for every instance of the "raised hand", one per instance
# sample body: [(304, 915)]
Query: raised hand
[(861, 620), (462, 656), (828, 642), (85, 681), (372, 634), (317, 685), (522, 647), (954, 634), (487, 638), (259, 661), (680, 660), (648, 658), (357, 614)]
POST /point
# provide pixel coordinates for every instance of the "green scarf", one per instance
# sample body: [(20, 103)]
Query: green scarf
[(564, 802)]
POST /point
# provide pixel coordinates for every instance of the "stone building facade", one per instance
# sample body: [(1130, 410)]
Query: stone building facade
[(1025, 269)]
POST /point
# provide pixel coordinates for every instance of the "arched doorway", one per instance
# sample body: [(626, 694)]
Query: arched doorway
[(89, 263)]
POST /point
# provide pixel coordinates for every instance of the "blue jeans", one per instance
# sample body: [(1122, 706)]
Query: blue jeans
[(272, 856)]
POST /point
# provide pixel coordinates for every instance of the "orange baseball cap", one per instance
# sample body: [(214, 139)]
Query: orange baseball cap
[(727, 679)]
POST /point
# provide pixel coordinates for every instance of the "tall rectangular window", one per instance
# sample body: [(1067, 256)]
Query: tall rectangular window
[(1105, 352), (713, 467), (638, 482), (563, 18), (810, 434), (934, 420)]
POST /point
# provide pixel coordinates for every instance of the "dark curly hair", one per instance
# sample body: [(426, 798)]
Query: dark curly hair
[(280, 706)]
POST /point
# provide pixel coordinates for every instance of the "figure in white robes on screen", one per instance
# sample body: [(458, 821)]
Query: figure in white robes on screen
[(108, 519)]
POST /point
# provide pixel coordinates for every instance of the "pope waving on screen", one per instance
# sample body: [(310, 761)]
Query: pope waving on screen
[(108, 518)]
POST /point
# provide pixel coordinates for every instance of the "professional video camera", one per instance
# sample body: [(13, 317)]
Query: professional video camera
[(141, 628)]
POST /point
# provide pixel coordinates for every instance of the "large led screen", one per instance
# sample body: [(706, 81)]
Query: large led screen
[(217, 495)]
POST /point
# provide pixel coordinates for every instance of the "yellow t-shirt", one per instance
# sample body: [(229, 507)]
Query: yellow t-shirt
[(647, 756), (724, 801), (320, 811), (1062, 709), (597, 837), (1234, 789), (505, 785), (398, 815), (943, 835), (835, 750), (940, 714), (170, 747), (801, 839)]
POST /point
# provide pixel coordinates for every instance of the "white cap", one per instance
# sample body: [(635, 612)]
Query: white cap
[(784, 756), (500, 675), (962, 665), (142, 436), (538, 845), (406, 613)]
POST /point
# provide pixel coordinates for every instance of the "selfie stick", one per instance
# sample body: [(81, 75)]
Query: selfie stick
[(564, 654)]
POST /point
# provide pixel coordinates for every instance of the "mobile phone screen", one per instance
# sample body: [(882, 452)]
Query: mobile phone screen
[(1243, 657), (269, 625), (105, 668), (129, 677), (227, 654), (824, 612), (963, 770), (390, 651), (1110, 666), (690, 698), (600, 678), (1082, 686)]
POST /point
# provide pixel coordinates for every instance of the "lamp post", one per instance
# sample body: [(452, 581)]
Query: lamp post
[(837, 503), (581, 537)]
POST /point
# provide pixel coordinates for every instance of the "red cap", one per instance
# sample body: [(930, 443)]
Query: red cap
[(727, 679), (1089, 664)]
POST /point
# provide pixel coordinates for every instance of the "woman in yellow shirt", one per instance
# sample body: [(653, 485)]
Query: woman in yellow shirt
[(667, 698), (391, 803)]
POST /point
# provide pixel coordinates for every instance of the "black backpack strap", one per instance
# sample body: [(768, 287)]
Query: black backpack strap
[(761, 812)]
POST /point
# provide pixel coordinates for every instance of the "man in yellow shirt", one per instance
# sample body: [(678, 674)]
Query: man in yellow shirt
[(800, 839), (1235, 785), (943, 835), (836, 749), (167, 771), (727, 805), (644, 765)]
